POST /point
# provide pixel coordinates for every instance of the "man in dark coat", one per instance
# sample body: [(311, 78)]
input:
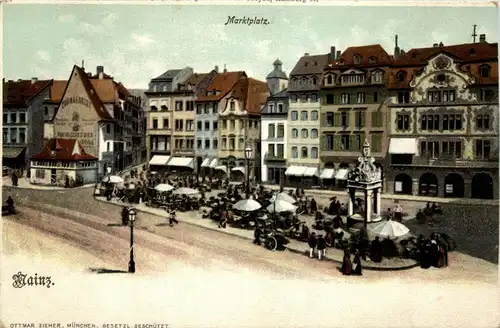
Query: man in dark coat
[(14, 179), (357, 269), (321, 246), (312, 242), (337, 221), (346, 263), (314, 206), (375, 250), (257, 235)]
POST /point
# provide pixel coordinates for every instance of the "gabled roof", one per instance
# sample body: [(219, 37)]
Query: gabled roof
[(63, 150), (223, 82), (168, 75), (108, 90), (19, 93), (57, 90), (366, 52), (196, 78), (310, 65), (253, 93), (93, 95)]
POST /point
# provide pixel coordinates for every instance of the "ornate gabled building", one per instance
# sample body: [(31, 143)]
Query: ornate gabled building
[(274, 126), (353, 108), (444, 121), (303, 120)]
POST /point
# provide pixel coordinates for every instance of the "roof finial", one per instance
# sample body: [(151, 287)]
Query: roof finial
[(474, 33), (83, 62), (396, 40)]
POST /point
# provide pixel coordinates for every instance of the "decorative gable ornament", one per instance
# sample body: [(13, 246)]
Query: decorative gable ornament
[(442, 62)]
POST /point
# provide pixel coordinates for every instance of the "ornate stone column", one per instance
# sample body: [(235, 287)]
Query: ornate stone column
[(369, 205), (350, 206), (379, 202)]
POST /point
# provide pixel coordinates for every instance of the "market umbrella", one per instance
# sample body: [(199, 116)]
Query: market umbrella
[(163, 187), (283, 196), (247, 205), (281, 206), (390, 229), (185, 191), (113, 179)]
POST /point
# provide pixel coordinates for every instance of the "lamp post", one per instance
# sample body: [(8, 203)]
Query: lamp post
[(131, 217), (248, 155)]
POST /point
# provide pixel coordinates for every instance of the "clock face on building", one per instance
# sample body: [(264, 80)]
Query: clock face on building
[(442, 62)]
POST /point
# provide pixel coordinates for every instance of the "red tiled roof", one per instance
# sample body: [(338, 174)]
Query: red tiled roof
[(63, 149), (366, 52), (223, 82), (20, 92), (257, 93), (57, 90)]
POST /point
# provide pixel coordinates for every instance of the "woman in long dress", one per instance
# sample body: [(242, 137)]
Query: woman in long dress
[(346, 263), (357, 270)]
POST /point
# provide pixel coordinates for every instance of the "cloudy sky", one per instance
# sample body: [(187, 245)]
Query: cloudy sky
[(137, 42)]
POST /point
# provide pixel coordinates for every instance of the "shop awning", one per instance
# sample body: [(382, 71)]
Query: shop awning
[(239, 169), (295, 170), (181, 162), (206, 162), (403, 146), (342, 174), (311, 172), (9, 152), (159, 160), (327, 174), (221, 168), (213, 163)]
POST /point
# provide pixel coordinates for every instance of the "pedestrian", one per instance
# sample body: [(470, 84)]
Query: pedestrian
[(312, 242), (172, 219), (257, 235), (321, 244), (357, 269), (314, 206), (346, 263)]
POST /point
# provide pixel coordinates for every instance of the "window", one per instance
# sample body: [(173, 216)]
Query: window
[(441, 77), (224, 124), (377, 77), (270, 131), (155, 125), (314, 152), (357, 59), (281, 150), (429, 149), (329, 119), (451, 122), (329, 144), (304, 133), (199, 126), (190, 106), (403, 122), (40, 174), (179, 125), (303, 115), (401, 76), (293, 98), (314, 115), (375, 97), (329, 80), (483, 122), (5, 135), (295, 133), (313, 98), (232, 144), (214, 125), (190, 125), (434, 96), (198, 143), (22, 117), (303, 152), (270, 150), (232, 106), (377, 119), (13, 135), (344, 119), (46, 112), (429, 122), (403, 97), (215, 143), (206, 109), (295, 152), (271, 108), (22, 135), (353, 79), (344, 98), (207, 125), (376, 144), (329, 99), (303, 98), (281, 130), (199, 109), (165, 123), (483, 148), (215, 108), (344, 142), (487, 95), (207, 143), (178, 105), (360, 119), (361, 97), (294, 115), (232, 124), (5, 118), (314, 133), (13, 118), (449, 95), (451, 149), (484, 71), (372, 60), (280, 108)]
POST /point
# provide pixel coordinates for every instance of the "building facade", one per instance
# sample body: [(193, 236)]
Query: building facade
[(354, 108), (303, 121), (274, 127), (444, 121), (23, 120)]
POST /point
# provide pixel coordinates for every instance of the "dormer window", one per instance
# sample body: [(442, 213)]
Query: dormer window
[(401, 76), (357, 59), (484, 71), (314, 80), (472, 52), (329, 80), (377, 77), (232, 106), (372, 60)]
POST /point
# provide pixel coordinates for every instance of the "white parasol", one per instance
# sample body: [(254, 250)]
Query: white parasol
[(186, 191), (283, 196), (281, 206), (113, 179), (247, 205), (390, 229), (163, 187)]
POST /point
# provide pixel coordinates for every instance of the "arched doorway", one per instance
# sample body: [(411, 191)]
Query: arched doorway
[(403, 184), (428, 185), (482, 186), (453, 185)]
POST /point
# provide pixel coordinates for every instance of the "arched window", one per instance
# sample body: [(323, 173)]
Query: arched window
[(303, 151), (281, 130), (295, 152), (357, 59), (329, 79), (401, 76), (294, 115), (377, 77), (314, 81), (484, 71), (295, 133), (304, 133), (303, 115), (271, 131), (314, 115), (314, 133), (314, 152), (372, 60)]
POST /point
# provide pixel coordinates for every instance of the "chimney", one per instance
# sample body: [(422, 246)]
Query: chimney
[(100, 72), (216, 68), (435, 45), (402, 52), (338, 54), (441, 44), (396, 48), (331, 55), (33, 80), (306, 54), (225, 70), (482, 38)]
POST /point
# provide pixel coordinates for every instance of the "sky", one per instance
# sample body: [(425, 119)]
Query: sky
[(135, 43)]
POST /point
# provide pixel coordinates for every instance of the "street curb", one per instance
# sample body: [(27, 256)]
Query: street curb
[(48, 188), (292, 250)]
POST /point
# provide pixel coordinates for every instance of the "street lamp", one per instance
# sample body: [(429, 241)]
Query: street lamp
[(131, 218), (248, 156)]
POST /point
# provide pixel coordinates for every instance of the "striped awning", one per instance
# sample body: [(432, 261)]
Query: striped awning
[(181, 162), (159, 160), (327, 174), (311, 172), (342, 174), (295, 170), (213, 163), (221, 168), (206, 162), (239, 169)]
